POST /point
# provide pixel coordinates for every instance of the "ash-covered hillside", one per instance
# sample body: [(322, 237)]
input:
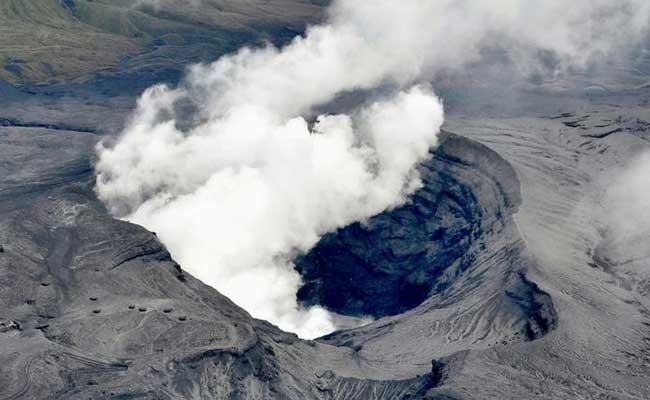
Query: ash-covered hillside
[(46, 41), (516, 268)]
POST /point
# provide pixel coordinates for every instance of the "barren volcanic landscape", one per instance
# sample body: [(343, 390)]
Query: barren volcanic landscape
[(305, 199)]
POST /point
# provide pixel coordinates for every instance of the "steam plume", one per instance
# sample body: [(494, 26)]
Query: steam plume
[(249, 183), (627, 210)]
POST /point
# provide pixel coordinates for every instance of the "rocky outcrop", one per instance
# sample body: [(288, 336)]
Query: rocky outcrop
[(392, 262)]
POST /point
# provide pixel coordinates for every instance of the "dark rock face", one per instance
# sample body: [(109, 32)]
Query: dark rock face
[(534, 303), (391, 263)]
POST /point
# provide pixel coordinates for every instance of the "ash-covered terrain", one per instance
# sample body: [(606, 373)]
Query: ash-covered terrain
[(518, 270)]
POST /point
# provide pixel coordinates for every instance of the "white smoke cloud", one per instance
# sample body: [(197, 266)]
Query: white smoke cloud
[(627, 211), (236, 195)]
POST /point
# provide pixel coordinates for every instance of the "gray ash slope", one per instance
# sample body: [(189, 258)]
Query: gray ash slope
[(96, 308), (515, 288)]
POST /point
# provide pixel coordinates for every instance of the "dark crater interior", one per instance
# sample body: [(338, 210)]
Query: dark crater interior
[(392, 262)]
